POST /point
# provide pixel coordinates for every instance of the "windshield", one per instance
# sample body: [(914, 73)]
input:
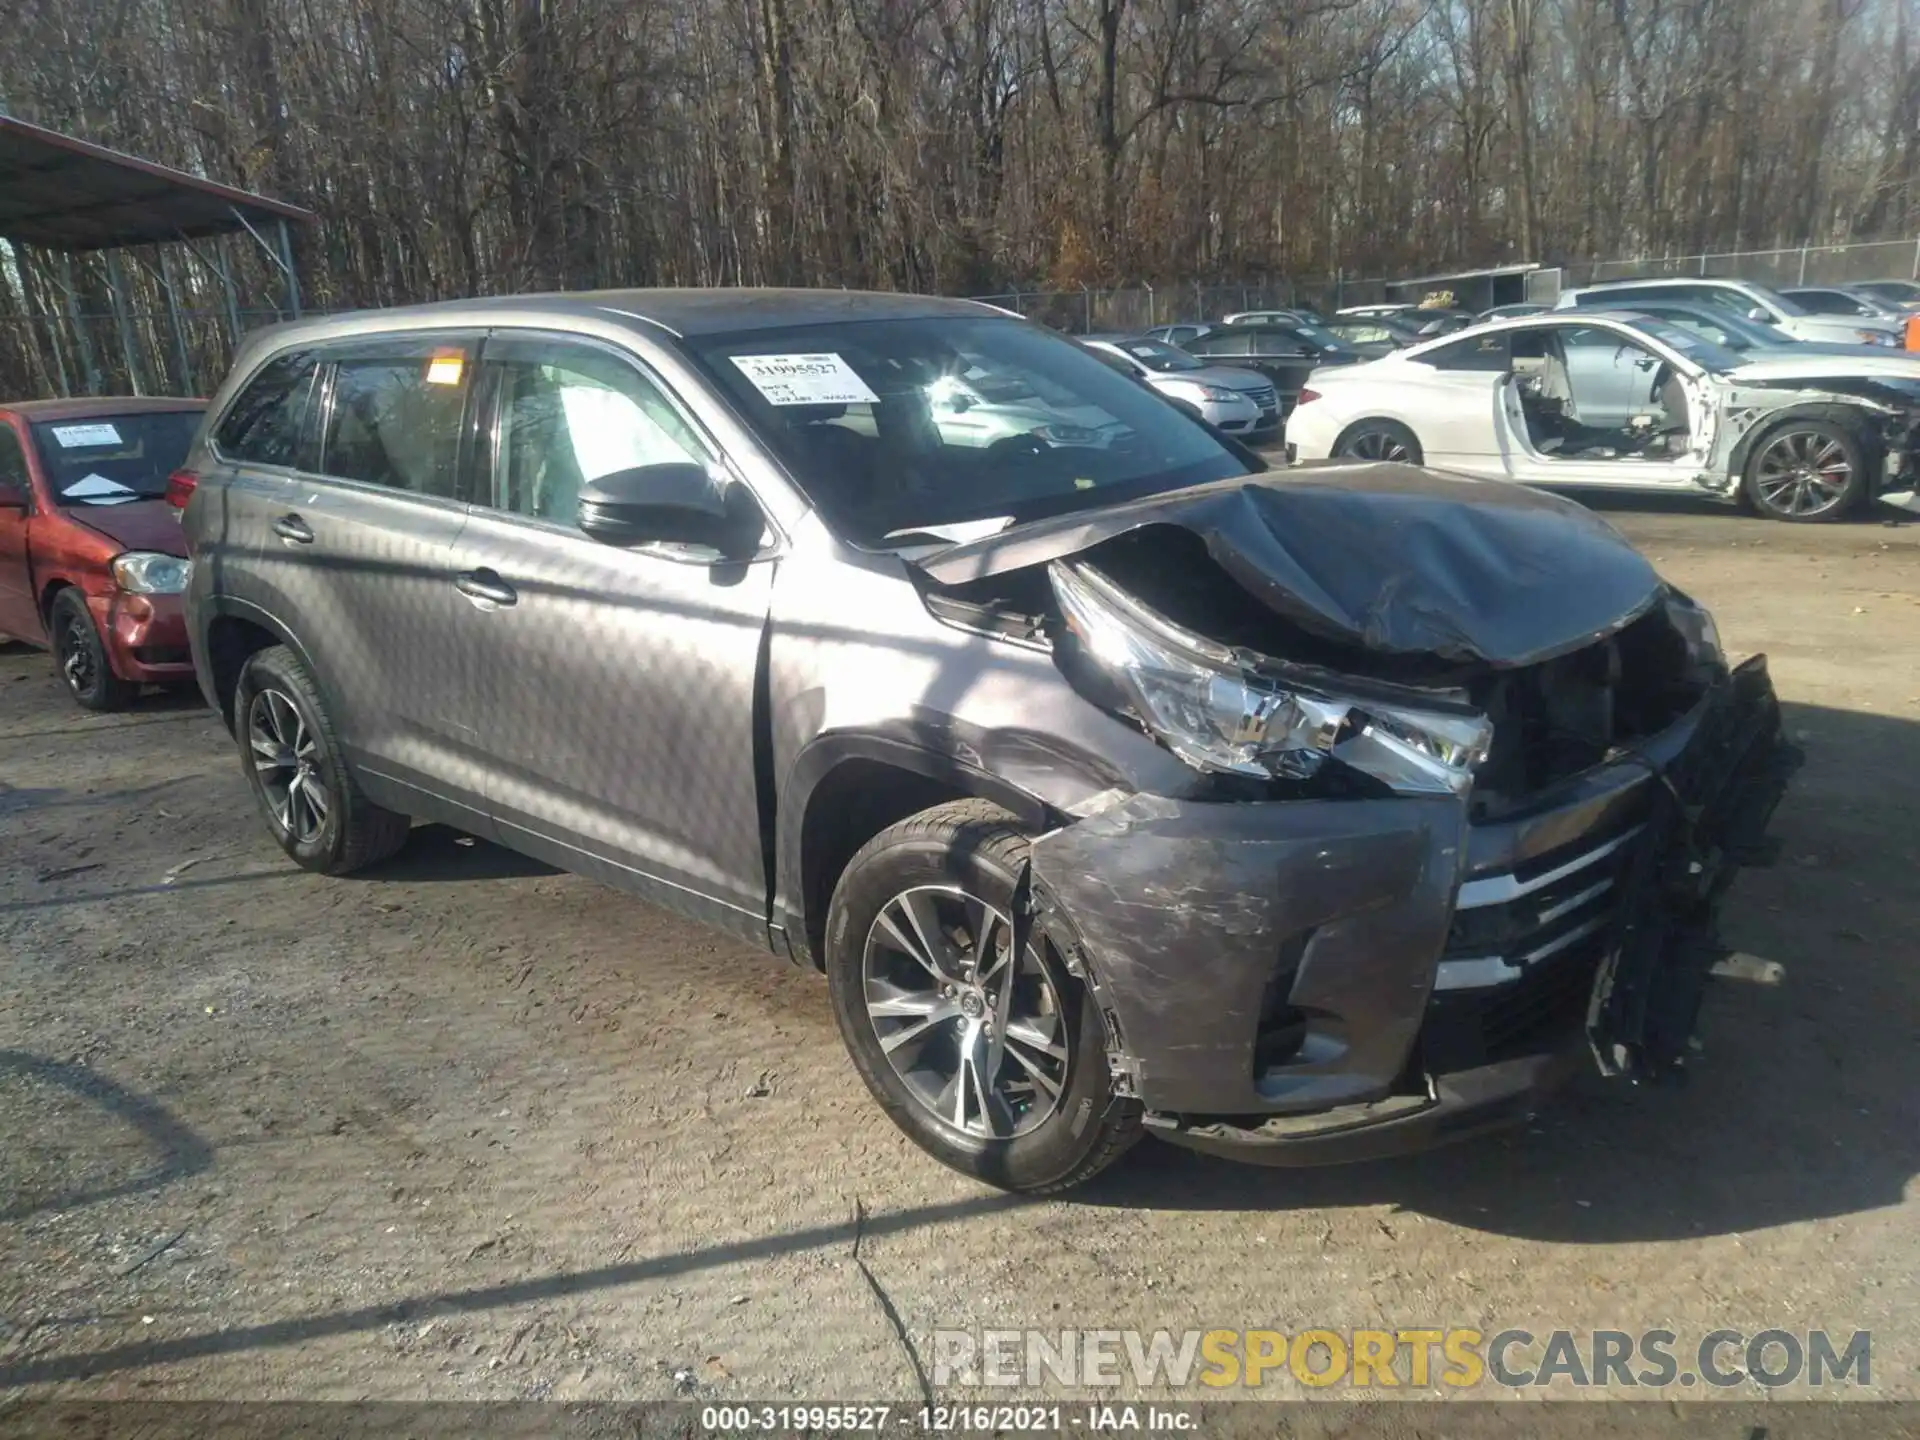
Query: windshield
[(1722, 327), (111, 459), (898, 429), (1697, 348), (1902, 292), (1158, 356), (1827, 302), (1772, 297), (1324, 339)]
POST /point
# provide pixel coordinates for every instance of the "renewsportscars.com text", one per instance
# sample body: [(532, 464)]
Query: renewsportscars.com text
[(1457, 1358)]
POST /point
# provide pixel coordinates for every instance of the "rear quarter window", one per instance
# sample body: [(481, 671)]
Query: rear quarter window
[(263, 424), (1477, 352)]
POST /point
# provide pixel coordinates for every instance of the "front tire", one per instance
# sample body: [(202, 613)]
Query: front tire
[(310, 799), (1807, 472), (1384, 440), (82, 656), (992, 1064)]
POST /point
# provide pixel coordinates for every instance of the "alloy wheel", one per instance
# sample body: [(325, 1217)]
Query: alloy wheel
[(286, 754), (1378, 445), (76, 656), (1802, 472), (978, 1036)]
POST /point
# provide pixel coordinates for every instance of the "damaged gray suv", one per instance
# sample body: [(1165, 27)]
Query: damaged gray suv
[(1117, 785)]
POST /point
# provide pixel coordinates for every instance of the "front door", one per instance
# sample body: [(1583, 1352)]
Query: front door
[(617, 686), (19, 614), (1587, 405)]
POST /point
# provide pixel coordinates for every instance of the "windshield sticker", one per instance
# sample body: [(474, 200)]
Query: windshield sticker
[(85, 437), (97, 487), (805, 379)]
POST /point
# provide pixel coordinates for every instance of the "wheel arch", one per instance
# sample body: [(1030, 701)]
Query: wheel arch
[(1854, 419), (1377, 418), (234, 633), (843, 790)]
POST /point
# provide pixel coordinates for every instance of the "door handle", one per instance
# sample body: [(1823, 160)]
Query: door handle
[(293, 530), (484, 587)]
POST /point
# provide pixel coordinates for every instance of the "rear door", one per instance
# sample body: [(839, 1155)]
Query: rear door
[(616, 686), (366, 537)]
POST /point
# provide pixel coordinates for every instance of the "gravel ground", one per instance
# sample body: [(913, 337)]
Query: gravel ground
[(466, 1128)]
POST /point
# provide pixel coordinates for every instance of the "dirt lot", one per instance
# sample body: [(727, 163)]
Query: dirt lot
[(467, 1128)]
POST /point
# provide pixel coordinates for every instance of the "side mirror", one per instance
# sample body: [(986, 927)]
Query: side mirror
[(677, 503), (1765, 317), (13, 495)]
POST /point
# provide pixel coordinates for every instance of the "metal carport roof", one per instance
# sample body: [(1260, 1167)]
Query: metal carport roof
[(61, 193)]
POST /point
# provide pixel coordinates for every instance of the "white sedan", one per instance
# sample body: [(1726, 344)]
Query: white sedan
[(1624, 401)]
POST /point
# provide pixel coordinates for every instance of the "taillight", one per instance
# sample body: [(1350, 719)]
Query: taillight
[(180, 487), (1305, 396)]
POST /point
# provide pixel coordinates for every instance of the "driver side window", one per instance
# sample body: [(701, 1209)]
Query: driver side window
[(569, 414)]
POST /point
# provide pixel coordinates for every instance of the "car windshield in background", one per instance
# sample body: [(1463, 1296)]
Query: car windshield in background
[(1697, 348), (1774, 298), (1721, 327), (1161, 357), (1816, 303), (1325, 339), (112, 459), (899, 429)]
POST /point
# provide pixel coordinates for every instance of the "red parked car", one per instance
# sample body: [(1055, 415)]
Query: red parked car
[(92, 561)]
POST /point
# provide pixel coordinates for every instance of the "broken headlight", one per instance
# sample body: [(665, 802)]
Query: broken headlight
[(1215, 710), (1695, 627)]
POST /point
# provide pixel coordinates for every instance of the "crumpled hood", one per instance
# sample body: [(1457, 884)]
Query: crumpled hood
[(134, 524), (1788, 363), (1392, 558)]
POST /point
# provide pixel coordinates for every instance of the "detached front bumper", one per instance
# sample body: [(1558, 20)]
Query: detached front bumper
[(1314, 981)]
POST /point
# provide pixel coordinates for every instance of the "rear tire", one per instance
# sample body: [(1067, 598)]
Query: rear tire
[(1809, 472), (1384, 440), (1035, 1112), (311, 802), (82, 656)]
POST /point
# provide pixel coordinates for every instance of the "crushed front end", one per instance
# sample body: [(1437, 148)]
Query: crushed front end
[(1416, 890)]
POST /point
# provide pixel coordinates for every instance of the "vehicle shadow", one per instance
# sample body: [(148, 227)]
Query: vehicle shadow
[(176, 1150), (1800, 1107), (439, 852), (1646, 502)]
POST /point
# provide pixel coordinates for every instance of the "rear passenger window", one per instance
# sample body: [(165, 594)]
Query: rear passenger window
[(263, 425), (1481, 353), (395, 419), (1238, 343)]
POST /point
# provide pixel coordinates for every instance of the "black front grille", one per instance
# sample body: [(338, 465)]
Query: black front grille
[(1521, 956)]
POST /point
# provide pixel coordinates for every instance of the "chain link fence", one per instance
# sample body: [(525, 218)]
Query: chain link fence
[(1130, 310), (1807, 265), (1142, 307), (144, 349)]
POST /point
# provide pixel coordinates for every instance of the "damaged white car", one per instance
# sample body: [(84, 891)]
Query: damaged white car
[(1629, 402)]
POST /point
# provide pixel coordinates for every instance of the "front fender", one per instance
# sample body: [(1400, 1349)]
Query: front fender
[(1747, 421), (1030, 775)]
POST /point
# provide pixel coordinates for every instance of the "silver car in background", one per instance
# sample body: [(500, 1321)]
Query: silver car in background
[(1241, 402), (1759, 303)]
